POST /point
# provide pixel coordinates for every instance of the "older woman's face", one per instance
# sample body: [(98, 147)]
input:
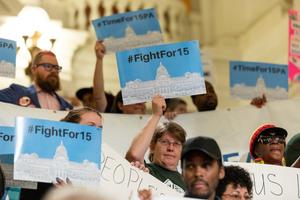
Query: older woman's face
[(91, 119), (166, 151), (233, 193), (271, 150)]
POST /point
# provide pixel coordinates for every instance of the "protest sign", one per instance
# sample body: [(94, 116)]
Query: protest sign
[(294, 45), (171, 70), (164, 197), (128, 30), (49, 149), (272, 181), (7, 149), (233, 128), (117, 173), (252, 79), (7, 140), (8, 51)]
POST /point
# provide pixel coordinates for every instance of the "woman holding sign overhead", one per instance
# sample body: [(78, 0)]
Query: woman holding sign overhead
[(165, 142)]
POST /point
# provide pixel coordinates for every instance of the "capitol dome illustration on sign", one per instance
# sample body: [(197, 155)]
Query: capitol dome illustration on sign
[(138, 91), (33, 168), (240, 89), (132, 40)]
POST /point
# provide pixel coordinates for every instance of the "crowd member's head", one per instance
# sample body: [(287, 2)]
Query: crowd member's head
[(45, 71), (86, 96), (2, 183), (76, 193), (86, 116), (119, 107), (208, 101), (235, 185), (202, 167), (292, 151), (166, 145), (267, 144), (176, 105)]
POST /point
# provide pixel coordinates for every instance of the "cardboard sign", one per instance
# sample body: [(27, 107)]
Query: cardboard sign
[(128, 30), (49, 149), (7, 140), (171, 70), (294, 45), (8, 51), (117, 173), (251, 79), (273, 182)]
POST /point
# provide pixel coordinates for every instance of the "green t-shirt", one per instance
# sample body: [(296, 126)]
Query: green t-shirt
[(172, 179)]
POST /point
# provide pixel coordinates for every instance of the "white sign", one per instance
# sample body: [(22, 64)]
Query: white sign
[(9, 182), (273, 182), (234, 126), (117, 173)]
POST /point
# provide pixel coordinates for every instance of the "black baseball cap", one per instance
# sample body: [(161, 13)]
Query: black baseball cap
[(82, 91), (206, 145)]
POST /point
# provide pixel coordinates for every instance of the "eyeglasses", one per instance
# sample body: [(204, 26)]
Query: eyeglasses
[(271, 139), (167, 143), (49, 67), (237, 196)]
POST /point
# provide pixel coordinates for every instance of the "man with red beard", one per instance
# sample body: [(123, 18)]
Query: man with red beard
[(42, 94), (202, 167)]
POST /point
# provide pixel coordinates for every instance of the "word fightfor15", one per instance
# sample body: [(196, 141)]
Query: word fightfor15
[(59, 132), (147, 57)]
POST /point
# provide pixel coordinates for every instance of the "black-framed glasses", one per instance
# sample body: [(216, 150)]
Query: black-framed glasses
[(167, 143), (234, 196), (271, 139), (49, 67)]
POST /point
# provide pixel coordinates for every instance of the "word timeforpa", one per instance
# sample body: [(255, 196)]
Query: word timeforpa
[(6, 45)]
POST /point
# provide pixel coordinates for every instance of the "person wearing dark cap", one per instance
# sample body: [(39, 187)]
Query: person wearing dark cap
[(202, 167), (267, 145), (292, 151)]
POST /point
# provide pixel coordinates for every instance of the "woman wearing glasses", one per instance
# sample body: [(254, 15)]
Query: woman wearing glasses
[(165, 142), (236, 185), (267, 145)]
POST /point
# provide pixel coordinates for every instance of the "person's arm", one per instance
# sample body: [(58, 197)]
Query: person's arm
[(141, 142), (98, 90)]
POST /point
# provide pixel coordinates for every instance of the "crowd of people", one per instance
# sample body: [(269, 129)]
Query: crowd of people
[(203, 174)]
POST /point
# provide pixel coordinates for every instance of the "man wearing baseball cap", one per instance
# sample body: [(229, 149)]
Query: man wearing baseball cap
[(267, 145), (202, 167)]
